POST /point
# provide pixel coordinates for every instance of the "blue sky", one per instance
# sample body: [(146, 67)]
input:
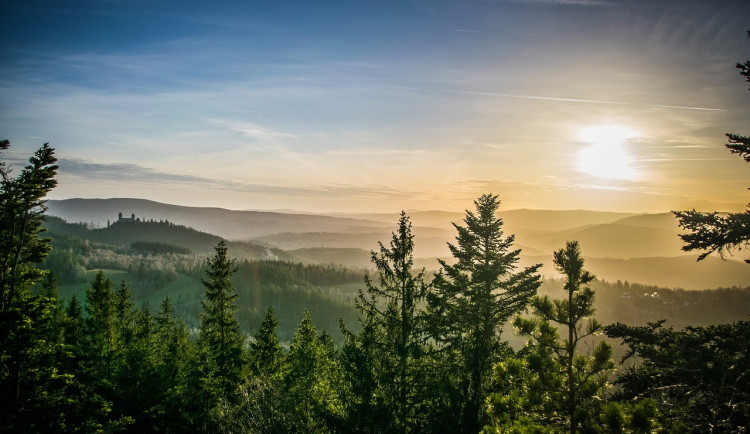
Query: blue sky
[(381, 106)]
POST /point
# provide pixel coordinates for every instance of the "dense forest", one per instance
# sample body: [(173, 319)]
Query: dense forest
[(153, 269)]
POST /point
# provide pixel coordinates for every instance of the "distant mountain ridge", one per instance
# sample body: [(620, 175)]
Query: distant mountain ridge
[(229, 224), (552, 220), (642, 248)]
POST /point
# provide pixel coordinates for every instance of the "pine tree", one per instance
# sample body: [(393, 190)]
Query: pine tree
[(312, 379), (698, 377), (32, 386), (220, 339), (22, 208), (265, 351), (475, 297), (365, 412), (101, 331), (173, 350), (565, 381), (712, 232), (393, 331), (138, 391), (125, 314)]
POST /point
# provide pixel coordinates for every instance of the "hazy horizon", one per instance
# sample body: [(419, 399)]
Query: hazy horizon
[(604, 105)]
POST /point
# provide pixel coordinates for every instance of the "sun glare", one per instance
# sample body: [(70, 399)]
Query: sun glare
[(606, 155)]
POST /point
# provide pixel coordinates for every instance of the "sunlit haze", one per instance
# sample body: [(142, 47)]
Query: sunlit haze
[(612, 105), (605, 155)]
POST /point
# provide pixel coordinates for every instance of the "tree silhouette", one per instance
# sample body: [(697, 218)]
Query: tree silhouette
[(713, 232)]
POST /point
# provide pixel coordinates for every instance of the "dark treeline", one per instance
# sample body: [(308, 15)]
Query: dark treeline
[(290, 287), (158, 248), (124, 234)]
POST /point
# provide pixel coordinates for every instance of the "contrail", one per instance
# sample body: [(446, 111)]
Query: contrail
[(549, 98)]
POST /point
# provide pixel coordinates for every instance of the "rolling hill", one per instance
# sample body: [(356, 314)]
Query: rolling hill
[(643, 248), (229, 224)]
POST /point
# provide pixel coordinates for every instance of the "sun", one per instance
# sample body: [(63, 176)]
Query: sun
[(606, 155)]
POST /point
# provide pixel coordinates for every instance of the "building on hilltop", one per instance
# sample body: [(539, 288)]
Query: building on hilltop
[(130, 219)]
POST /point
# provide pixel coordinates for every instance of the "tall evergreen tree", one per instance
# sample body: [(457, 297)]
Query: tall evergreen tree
[(101, 330), (558, 379), (265, 351), (173, 351), (22, 208), (313, 384), (220, 339), (393, 332), (139, 393), (32, 385), (125, 314), (473, 298), (365, 412)]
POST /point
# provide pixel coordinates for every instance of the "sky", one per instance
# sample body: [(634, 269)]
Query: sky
[(378, 106)]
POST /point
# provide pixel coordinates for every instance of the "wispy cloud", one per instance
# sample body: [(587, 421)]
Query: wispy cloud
[(254, 131), (134, 173), (554, 99)]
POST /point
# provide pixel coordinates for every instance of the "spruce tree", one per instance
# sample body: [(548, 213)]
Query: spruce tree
[(265, 351), (22, 208), (393, 331), (172, 353), (312, 379), (220, 339), (359, 355), (28, 369), (472, 299), (554, 385), (101, 329)]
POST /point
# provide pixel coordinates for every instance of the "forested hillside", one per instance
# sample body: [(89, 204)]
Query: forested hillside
[(163, 339), (153, 269), (230, 224), (173, 263)]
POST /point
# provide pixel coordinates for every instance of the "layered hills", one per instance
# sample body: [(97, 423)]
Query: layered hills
[(642, 248)]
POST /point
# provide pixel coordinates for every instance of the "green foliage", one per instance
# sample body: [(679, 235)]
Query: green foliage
[(390, 348), (158, 248), (553, 385), (699, 376), (473, 298), (22, 206), (265, 351), (312, 378), (220, 340), (100, 326), (173, 352), (32, 388)]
